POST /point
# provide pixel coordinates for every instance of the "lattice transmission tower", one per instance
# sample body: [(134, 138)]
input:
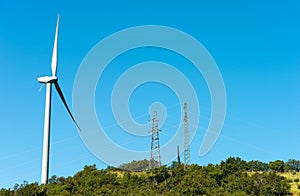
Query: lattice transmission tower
[(187, 157), (155, 148)]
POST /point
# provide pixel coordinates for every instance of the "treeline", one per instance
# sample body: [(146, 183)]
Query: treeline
[(142, 165), (233, 176), (292, 165)]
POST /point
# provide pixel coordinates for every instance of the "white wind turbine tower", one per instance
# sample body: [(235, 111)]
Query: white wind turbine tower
[(49, 80)]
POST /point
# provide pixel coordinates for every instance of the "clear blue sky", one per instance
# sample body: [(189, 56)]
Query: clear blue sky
[(256, 46)]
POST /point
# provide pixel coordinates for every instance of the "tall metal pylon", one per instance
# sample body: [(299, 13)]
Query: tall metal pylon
[(155, 148), (187, 157)]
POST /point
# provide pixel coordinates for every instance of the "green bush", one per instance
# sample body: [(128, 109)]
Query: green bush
[(296, 180), (228, 178)]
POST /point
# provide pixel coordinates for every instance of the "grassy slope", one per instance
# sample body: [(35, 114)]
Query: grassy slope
[(121, 173), (289, 175), (294, 185)]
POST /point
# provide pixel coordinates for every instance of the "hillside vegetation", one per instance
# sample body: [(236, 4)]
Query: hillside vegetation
[(233, 176), (293, 179)]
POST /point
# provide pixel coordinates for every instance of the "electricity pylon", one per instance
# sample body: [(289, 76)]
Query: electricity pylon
[(187, 157), (155, 148)]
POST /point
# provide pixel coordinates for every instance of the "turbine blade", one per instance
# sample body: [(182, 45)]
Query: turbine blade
[(65, 103), (54, 52)]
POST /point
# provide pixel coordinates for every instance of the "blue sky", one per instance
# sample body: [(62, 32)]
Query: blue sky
[(255, 44)]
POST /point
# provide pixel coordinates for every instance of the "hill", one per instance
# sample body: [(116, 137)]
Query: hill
[(293, 179), (141, 165), (233, 176)]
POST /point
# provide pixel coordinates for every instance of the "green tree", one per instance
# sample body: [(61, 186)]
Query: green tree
[(292, 165), (258, 166), (277, 166), (53, 179), (90, 180), (238, 182), (6, 192), (141, 165), (173, 165), (233, 165), (197, 182), (228, 178)]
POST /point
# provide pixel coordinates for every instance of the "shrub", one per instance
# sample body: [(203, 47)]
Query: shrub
[(296, 180)]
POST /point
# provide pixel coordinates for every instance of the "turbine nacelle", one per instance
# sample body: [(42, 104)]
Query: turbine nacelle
[(47, 79)]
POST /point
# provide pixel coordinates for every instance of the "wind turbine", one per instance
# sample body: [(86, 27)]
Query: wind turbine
[(49, 80)]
